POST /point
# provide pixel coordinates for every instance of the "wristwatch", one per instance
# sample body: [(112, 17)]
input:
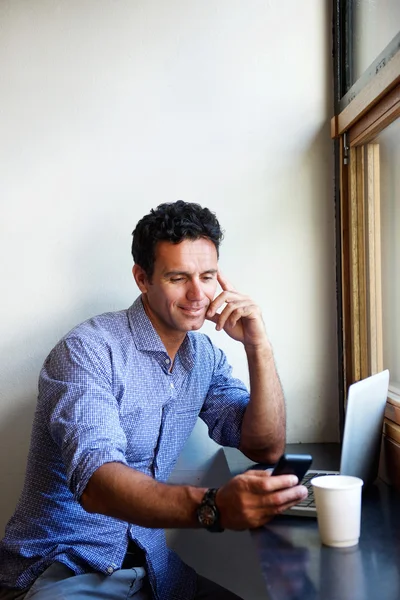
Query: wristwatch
[(208, 514)]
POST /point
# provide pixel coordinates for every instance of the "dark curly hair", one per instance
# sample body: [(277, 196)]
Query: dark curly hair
[(172, 222)]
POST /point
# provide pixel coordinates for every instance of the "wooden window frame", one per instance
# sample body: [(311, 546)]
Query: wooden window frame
[(370, 111)]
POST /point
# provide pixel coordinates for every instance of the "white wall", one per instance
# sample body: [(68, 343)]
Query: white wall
[(108, 107)]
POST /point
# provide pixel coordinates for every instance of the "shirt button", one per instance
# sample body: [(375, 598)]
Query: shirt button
[(110, 570), (172, 385), (167, 361)]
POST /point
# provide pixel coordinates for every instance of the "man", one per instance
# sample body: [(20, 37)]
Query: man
[(118, 397)]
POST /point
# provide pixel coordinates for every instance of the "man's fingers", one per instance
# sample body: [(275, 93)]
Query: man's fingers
[(279, 508), (274, 509), (224, 283), (262, 473), (261, 482), (235, 311), (214, 318), (231, 299), (281, 482)]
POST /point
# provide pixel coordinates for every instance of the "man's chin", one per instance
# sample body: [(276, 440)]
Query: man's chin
[(194, 325)]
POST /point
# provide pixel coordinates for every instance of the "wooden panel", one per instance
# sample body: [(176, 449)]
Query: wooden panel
[(345, 258), (376, 119), (364, 250), (353, 264), (391, 430), (383, 82), (358, 266), (334, 127), (362, 283), (392, 412), (393, 398), (389, 468), (373, 250)]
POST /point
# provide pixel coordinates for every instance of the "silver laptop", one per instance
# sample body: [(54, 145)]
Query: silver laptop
[(366, 403)]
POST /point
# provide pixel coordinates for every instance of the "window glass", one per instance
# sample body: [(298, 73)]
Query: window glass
[(374, 24)]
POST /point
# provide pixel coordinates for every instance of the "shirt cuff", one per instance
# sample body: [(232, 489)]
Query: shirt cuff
[(88, 465)]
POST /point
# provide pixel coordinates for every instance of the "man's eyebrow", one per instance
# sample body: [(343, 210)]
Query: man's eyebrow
[(211, 271), (187, 274)]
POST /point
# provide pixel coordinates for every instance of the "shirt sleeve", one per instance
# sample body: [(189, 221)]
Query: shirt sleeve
[(75, 388), (225, 403)]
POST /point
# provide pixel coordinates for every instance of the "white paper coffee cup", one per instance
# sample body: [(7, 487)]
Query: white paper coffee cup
[(338, 502)]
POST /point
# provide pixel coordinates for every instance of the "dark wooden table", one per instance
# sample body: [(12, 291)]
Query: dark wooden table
[(296, 566)]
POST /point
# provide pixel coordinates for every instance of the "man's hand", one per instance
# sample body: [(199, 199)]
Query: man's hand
[(250, 500), (240, 318)]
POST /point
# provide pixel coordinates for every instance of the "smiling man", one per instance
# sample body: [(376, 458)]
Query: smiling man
[(118, 397)]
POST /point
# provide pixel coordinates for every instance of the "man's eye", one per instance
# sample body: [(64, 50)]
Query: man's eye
[(176, 279), (208, 278)]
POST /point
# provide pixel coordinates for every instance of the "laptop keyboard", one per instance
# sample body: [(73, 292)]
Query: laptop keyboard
[(309, 502)]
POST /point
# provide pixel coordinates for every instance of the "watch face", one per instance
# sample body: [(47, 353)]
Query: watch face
[(207, 516)]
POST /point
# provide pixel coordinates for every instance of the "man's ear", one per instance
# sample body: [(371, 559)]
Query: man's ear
[(141, 278)]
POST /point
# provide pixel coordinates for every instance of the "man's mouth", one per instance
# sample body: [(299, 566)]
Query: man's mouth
[(193, 310)]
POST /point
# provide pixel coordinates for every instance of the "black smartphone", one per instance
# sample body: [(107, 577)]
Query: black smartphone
[(293, 464)]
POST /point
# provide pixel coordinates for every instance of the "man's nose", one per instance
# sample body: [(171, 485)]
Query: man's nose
[(195, 290)]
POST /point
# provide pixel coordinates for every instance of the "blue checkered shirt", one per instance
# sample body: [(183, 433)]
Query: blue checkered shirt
[(106, 395)]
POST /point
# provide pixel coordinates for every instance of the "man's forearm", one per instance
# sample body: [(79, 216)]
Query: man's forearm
[(263, 432), (246, 501), (118, 491)]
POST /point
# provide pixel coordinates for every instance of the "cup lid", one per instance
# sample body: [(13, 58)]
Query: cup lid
[(337, 482)]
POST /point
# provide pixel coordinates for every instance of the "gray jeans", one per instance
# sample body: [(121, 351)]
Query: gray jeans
[(58, 582)]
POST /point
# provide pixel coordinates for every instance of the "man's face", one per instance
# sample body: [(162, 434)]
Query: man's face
[(183, 285)]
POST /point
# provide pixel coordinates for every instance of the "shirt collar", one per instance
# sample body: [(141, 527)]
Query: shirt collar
[(147, 339)]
